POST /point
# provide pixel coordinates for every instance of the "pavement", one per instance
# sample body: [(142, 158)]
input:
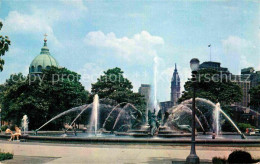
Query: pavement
[(32, 152)]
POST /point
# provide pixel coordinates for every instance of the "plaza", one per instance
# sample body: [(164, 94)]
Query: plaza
[(111, 153)]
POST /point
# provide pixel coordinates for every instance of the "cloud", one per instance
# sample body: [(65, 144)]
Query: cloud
[(139, 47), (239, 51), (235, 43), (18, 23)]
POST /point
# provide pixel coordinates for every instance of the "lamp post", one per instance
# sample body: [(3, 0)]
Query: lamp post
[(193, 158), (0, 118)]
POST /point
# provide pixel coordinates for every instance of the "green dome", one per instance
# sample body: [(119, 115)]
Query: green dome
[(43, 61)]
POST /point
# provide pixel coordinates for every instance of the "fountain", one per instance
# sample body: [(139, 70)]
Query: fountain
[(215, 110), (216, 118), (25, 123), (94, 115), (230, 120), (61, 114), (155, 68)]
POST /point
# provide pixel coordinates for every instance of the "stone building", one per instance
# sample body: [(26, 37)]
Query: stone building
[(175, 92), (43, 61), (175, 86)]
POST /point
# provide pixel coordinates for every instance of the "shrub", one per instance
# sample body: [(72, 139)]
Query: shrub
[(240, 156), (5, 156), (243, 126), (217, 160), (4, 127)]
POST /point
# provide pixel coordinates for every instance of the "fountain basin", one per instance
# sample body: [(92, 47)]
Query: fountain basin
[(151, 140)]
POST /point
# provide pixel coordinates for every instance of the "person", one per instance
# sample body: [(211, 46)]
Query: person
[(213, 135)]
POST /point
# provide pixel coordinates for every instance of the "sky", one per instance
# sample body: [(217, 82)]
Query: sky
[(89, 37)]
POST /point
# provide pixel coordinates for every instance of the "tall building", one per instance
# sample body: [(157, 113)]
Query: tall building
[(175, 86), (245, 85), (145, 90), (213, 65), (43, 61), (247, 80)]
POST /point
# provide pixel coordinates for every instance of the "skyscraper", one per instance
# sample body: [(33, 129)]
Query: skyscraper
[(175, 86)]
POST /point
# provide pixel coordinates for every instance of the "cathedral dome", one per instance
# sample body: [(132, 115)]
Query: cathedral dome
[(43, 61)]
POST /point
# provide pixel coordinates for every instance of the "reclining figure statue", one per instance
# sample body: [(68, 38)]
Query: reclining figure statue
[(17, 133)]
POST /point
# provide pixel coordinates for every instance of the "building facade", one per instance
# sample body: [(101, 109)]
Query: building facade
[(43, 61), (175, 92), (175, 86), (213, 65), (145, 90), (248, 79)]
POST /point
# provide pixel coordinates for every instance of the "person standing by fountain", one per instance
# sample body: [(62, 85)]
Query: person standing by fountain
[(213, 135)]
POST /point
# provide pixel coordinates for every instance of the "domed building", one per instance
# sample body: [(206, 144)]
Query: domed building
[(43, 61)]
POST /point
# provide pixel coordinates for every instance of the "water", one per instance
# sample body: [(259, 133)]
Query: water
[(155, 72), (25, 123), (94, 114), (61, 114), (120, 113), (229, 119), (216, 118), (216, 114), (116, 107), (78, 115), (183, 108)]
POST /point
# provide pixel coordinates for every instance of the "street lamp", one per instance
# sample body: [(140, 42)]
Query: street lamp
[(0, 118), (193, 158)]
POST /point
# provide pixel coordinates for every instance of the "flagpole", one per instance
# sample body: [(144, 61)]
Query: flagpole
[(210, 52)]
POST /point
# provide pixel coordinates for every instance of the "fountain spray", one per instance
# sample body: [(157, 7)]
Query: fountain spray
[(216, 118), (25, 123), (155, 72), (94, 114)]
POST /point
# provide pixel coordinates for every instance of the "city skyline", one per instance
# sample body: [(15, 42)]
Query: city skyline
[(84, 39)]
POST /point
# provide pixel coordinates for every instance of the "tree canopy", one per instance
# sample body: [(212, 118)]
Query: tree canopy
[(114, 85), (212, 85), (255, 97), (41, 97), (4, 47)]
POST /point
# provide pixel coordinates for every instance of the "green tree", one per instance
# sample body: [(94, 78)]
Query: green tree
[(4, 47), (255, 97), (214, 86), (114, 85), (42, 97)]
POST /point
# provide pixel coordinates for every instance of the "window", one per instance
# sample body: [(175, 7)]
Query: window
[(39, 68), (32, 69)]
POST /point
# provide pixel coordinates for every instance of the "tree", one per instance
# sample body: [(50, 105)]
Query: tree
[(255, 97), (42, 97), (4, 47), (214, 86), (114, 85)]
